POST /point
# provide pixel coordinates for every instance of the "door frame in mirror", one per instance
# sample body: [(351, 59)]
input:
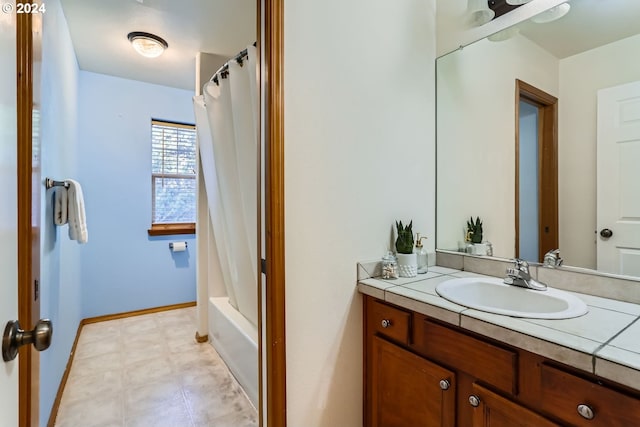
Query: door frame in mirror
[(547, 166)]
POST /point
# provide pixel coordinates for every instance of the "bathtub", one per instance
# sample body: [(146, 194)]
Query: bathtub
[(236, 340)]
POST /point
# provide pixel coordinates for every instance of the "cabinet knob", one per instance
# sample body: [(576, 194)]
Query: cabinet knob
[(386, 323), (474, 400), (444, 384), (586, 411)]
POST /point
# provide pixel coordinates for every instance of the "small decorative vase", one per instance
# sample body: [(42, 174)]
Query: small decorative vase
[(407, 265), (479, 249)]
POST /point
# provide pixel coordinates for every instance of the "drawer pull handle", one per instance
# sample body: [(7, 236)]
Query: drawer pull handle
[(386, 323), (444, 384), (585, 411), (474, 400)]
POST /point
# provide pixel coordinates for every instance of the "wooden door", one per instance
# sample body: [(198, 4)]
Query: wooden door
[(20, 38), (407, 389), (29, 54), (618, 175), (494, 410)]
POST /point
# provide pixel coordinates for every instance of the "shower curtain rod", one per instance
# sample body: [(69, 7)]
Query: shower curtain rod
[(223, 71)]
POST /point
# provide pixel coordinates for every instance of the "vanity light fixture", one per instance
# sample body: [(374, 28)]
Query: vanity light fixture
[(503, 35), (147, 44), (552, 14), (480, 12)]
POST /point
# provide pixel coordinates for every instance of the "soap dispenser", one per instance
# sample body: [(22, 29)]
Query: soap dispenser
[(421, 254)]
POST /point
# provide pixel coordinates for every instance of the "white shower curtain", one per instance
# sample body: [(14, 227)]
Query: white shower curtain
[(214, 200), (230, 165)]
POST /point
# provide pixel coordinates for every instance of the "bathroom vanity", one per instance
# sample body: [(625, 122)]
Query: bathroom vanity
[(429, 362)]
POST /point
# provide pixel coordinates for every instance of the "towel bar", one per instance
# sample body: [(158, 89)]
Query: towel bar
[(50, 183)]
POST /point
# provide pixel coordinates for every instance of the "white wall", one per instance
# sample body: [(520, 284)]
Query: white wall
[(476, 128), (581, 76), (359, 154)]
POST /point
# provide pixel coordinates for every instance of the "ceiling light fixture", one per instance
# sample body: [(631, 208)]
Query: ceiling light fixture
[(480, 12), (552, 14), (146, 44)]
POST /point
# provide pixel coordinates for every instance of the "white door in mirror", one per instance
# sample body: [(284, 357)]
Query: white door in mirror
[(493, 296), (618, 194)]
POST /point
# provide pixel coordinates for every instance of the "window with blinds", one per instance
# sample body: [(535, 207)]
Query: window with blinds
[(173, 173)]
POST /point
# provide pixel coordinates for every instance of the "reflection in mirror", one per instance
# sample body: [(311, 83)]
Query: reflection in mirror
[(580, 59)]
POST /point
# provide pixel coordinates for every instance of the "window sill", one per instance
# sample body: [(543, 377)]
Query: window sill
[(169, 229)]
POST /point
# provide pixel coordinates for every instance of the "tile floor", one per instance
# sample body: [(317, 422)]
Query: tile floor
[(148, 371)]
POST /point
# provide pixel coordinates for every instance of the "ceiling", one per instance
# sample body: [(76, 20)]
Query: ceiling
[(589, 24), (99, 31), (223, 28)]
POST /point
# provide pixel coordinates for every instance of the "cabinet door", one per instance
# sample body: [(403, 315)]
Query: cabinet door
[(408, 390), (566, 395), (493, 410)]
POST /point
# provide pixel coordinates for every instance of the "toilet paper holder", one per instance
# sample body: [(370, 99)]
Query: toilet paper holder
[(171, 245)]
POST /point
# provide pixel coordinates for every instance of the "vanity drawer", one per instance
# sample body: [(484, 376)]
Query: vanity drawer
[(493, 364), (565, 395), (389, 321)]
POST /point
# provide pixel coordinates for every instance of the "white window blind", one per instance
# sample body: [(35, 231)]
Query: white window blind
[(173, 172)]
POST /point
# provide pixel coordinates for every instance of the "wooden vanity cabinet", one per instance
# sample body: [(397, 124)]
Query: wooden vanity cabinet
[(492, 410), (408, 390), (422, 372), (582, 402)]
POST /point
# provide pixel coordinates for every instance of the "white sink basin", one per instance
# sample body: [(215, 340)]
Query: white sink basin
[(493, 296)]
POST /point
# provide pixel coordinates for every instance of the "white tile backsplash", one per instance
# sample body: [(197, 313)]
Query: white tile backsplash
[(593, 284), (369, 269), (488, 266)]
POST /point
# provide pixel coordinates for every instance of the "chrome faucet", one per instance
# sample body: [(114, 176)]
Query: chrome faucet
[(519, 275), (552, 259)]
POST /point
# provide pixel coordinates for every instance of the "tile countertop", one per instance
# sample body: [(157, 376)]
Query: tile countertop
[(604, 341)]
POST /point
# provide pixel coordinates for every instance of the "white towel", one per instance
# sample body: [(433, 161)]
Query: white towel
[(60, 206), (76, 214)]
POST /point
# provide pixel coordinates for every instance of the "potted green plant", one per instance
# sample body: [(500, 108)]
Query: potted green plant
[(474, 236), (407, 260), (474, 230)]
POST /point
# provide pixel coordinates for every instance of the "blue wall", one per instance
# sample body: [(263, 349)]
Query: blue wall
[(60, 258), (96, 129), (123, 268), (528, 182)]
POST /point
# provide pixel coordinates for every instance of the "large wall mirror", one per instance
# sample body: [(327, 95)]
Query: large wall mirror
[(498, 148)]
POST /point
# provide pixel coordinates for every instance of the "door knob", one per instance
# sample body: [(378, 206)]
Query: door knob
[(14, 337), (606, 233)]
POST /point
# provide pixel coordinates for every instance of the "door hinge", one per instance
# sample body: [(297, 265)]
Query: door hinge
[(263, 266), (36, 290)]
